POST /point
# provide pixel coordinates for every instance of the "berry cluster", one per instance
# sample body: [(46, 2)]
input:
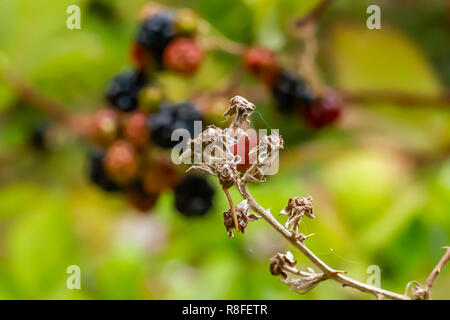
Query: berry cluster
[(132, 132), (290, 92), (129, 155), (167, 39)]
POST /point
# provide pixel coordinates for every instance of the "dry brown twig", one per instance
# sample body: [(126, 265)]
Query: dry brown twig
[(214, 146)]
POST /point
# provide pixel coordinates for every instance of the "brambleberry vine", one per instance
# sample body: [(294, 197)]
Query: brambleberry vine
[(223, 165)]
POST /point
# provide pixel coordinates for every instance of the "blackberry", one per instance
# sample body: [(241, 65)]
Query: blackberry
[(104, 127), (122, 162), (123, 90), (97, 173), (262, 63), (326, 110), (290, 92), (193, 196), (179, 116), (39, 136), (155, 33), (135, 129)]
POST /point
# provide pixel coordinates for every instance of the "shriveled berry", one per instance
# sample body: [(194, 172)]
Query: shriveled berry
[(104, 127), (97, 173), (183, 55), (179, 116), (123, 90), (135, 129), (326, 110), (121, 162), (155, 33), (193, 196), (263, 63), (291, 93), (159, 176), (186, 22)]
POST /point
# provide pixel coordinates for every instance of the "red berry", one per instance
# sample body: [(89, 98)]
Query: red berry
[(182, 55), (326, 109), (121, 162), (140, 57), (136, 130), (261, 62), (245, 144), (104, 127)]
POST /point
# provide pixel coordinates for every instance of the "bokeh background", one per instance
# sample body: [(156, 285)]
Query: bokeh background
[(380, 178)]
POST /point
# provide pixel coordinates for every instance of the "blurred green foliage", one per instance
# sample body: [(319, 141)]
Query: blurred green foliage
[(372, 206)]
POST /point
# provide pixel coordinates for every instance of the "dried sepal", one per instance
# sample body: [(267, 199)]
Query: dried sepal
[(278, 263), (243, 215), (265, 153), (305, 281), (240, 109)]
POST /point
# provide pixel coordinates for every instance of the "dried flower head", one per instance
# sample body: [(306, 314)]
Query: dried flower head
[(243, 216), (241, 109), (265, 153), (278, 263), (296, 208)]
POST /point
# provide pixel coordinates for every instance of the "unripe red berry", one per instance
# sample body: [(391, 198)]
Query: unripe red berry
[(326, 109), (121, 162), (245, 144), (136, 130), (182, 55), (262, 63), (104, 127)]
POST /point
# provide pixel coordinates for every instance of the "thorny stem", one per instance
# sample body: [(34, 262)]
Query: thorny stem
[(434, 273), (233, 208), (329, 273)]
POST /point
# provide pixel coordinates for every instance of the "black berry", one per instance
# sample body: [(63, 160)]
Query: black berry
[(123, 90), (179, 116), (193, 196), (155, 33), (39, 136), (290, 92), (97, 173)]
